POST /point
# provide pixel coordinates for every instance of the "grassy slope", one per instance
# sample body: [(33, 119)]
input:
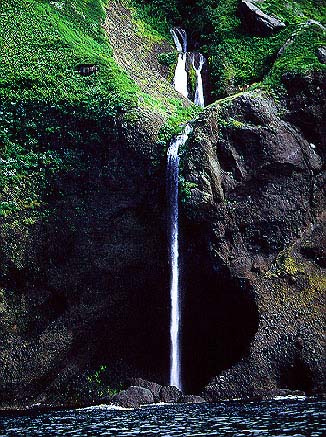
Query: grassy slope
[(41, 45), (48, 110)]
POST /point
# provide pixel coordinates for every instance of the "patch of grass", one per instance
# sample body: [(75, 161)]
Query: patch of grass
[(158, 14), (300, 56), (43, 42)]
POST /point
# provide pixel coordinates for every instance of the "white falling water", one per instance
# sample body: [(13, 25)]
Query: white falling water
[(172, 193), (199, 95), (181, 75)]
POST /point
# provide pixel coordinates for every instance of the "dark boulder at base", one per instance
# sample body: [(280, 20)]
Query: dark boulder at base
[(170, 394), (149, 385), (255, 21), (133, 397), (191, 399)]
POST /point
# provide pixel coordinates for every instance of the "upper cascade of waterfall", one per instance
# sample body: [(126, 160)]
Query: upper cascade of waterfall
[(180, 39), (182, 69), (181, 74), (198, 62)]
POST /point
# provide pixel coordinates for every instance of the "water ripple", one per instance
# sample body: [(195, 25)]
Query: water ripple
[(280, 418)]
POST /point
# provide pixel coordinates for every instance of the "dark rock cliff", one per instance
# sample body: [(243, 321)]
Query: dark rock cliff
[(253, 235), (88, 285)]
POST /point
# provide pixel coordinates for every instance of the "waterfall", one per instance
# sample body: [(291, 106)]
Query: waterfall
[(181, 75), (199, 95), (172, 194)]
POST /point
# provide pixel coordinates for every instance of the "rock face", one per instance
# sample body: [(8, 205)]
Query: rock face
[(133, 397), (321, 53), (66, 280), (152, 386), (254, 218), (170, 394), (306, 106), (255, 21), (252, 236)]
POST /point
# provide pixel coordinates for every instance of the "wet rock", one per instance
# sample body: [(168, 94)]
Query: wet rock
[(170, 394), (321, 54), (191, 399), (133, 397), (152, 386), (255, 21)]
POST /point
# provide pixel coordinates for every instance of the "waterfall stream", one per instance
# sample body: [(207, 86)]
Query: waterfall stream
[(181, 85), (199, 95), (181, 71), (172, 195), (181, 75)]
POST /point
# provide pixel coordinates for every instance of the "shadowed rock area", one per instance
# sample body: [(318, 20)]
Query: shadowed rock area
[(67, 304)]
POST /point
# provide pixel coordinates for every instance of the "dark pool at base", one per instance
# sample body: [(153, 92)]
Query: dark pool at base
[(287, 417)]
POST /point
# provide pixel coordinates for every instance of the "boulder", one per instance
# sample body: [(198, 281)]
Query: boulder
[(321, 54), (191, 399), (152, 386), (255, 21), (170, 394), (133, 397)]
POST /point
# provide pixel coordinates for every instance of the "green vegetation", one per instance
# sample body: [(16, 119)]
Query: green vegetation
[(44, 100), (49, 113), (42, 43), (238, 59), (299, 55), (185, 188), (100, 380), (168, 59), (159, 14)]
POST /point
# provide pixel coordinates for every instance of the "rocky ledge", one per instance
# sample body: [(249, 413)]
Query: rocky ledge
[(146, 392)]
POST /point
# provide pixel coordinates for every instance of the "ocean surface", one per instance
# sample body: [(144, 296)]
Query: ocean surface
[(279, 417)]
